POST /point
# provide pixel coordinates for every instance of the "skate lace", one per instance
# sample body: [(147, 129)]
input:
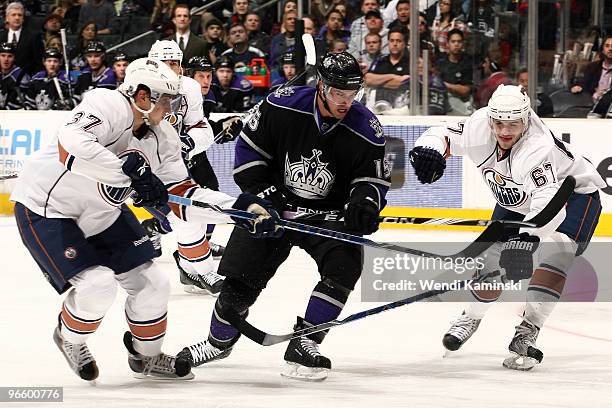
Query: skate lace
[(214, 247), (463, 327), (310, 346), (526, 334), (78, 353), (159, 363), (203, 351), (211, 278)]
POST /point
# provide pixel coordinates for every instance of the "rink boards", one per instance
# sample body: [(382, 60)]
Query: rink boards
[(459, 194)]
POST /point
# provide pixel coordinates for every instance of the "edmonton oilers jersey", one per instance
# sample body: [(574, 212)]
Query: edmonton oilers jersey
[(315, 161)]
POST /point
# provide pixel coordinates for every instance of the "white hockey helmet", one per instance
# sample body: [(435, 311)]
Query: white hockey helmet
[(166, 50), (510, 102), (155, 75)]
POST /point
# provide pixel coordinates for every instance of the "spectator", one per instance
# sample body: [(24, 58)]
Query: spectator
[(456, 72), (544, 105), (597, 78), (87, 34), (443, 23), (13, 80), (257, 38), (214, 37), (481, 21), (70, 10), (389, 74), (240, 8), (402, 9), (96, 74), (290, 5), (374, 25), (51, 27), (232, 94), (338, 46), (161, 18), (54, 41), (43, 92), (333, 29), (311, 28), (241, 53), (100, 12), (373, 44), (346, 20), (494, 76), (435, 10), (29, 48), (283, 42), (319, 9), (120, 64), (287, 71), (189, 43), (359, 29)]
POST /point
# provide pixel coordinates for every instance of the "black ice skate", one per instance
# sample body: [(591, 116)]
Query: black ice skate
[(153, 230), (461, 330), (524, 354), (159, 367), (202, 353), (217, 250), (78, 357), (303, 359), (209, 283)]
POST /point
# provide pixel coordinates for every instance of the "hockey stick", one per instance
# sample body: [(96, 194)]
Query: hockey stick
[(487, 238), (8, 176), (542, 218), (311, 60), (67, 63)]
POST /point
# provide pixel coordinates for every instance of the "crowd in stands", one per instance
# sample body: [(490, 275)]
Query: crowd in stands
[(472, 46)]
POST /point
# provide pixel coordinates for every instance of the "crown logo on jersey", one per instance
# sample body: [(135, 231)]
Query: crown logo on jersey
[(308, 178), (377, 127), (286, 91)]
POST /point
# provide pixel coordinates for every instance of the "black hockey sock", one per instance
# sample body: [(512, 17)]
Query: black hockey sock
[(326, 302), (222, 334)]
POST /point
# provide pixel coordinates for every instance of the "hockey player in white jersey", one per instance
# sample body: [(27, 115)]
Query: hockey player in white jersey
[(71, 216), (194, 256), (523, 164)]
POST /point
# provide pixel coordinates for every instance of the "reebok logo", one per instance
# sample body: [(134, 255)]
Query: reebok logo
[(141, 240)]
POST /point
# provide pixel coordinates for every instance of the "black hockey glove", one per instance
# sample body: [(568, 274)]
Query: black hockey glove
[(265, 225), (428, 164), (517, 256), (361, 215), (150, 191), (232, 127), (274, 196), (187, 144)]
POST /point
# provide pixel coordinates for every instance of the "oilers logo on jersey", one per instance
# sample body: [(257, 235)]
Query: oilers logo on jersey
[(506, 191), (117, 195), (308, 178)]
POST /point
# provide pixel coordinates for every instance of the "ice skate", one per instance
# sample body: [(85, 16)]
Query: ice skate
[(303, 359), (217, 250), (461, 330), (159, 367), (152, 228), (202, 353), (209, 283), (524, 355), (78, 357)]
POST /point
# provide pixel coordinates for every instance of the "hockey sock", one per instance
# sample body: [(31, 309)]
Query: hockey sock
[(209, 230), (326, 302), (222, 334)]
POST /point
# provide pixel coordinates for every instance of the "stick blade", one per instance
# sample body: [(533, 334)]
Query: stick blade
[(309, 47)]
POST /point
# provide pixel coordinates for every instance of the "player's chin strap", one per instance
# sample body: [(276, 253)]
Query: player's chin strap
[(145, 113)]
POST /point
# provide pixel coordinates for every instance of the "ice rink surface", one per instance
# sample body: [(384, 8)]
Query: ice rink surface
[(389, 360)]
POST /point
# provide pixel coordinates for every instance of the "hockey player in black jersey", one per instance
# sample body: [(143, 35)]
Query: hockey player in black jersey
[(49, 89), (304, 149), (232, 94), (96, 74), (13, 80)]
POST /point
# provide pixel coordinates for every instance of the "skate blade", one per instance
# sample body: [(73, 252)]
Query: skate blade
[(520, 363), (148, 377), (194, 290), (302, 373)]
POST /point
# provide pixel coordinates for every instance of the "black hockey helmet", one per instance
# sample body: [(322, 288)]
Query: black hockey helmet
[(52, 53), (95, 46), (120, 56), (199, 64), (341, 71), (288, 58), (225, 62), (7, 48)]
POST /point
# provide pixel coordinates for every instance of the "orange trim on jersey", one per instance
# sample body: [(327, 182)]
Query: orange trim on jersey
[(78, 325), (586, 211), (175, 209), (194, 252), (447, 152), (548, 279), (63, 154), (148, 331), (27, 212), (181, 189), (487, 295)]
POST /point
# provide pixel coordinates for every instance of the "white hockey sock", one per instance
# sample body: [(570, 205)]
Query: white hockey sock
[(476, 310)]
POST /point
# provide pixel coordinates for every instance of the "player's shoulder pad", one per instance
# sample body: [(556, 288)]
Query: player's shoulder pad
[(210, 96), (241, 84), (295, 98), (277, 82), (362, 122)]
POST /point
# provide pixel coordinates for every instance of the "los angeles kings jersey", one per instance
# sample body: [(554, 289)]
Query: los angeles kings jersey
[(317, 162), (527, 176), (79, 175)]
